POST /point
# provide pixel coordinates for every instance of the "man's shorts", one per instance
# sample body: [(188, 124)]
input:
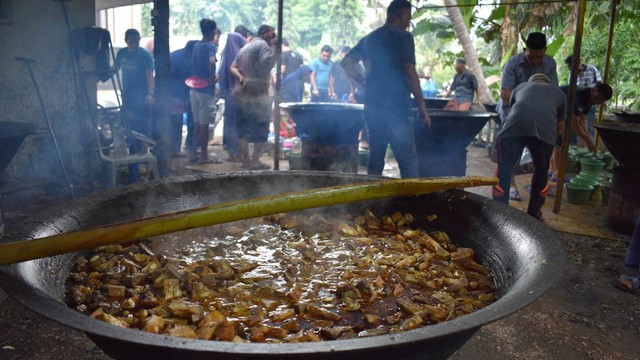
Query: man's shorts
[(203, 106)]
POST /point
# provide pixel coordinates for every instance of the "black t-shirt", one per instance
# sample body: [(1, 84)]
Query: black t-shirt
[(291, 61), (384, 53), (341, 80), (582, 102)]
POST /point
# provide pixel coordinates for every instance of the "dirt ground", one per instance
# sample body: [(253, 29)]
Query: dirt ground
[(581, 317)]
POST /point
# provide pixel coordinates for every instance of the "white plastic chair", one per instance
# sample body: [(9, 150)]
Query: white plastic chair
[(114, 151)]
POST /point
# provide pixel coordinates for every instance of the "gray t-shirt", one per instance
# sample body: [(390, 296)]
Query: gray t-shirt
[(255, 61), (464, 85), (535, 109)]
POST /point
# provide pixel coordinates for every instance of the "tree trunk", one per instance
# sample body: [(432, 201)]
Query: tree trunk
[(484, 94), (509, 34)]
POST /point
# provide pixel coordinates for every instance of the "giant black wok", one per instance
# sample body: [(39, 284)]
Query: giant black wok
[(524, 255), (621, 139)]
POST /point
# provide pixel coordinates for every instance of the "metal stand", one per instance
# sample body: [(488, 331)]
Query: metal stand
[(28, 63)]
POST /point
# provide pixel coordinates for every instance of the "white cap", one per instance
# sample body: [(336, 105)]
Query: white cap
[(539, 77)]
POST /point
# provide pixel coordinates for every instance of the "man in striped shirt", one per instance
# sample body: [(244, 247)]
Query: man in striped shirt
[(588, 78)]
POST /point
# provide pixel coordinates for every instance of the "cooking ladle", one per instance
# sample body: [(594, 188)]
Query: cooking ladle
[(128, 231)]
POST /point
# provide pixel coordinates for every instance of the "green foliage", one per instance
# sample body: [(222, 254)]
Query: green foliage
[(468, 11), (311, 18), (146, 28), (624, 71), (438, 25), (309, 24), (554, 47), (345, 17)]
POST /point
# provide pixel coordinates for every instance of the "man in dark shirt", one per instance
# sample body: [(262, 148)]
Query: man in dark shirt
[(203, 102), (585, 100), (291, 60), (588, 76), (388, 54), (341, 87), (181, 69)]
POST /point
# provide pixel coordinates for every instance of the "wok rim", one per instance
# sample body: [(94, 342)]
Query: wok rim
[(45, 305), (325, 106)]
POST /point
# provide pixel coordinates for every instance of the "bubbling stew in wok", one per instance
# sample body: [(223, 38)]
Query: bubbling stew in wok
[(284, 278)]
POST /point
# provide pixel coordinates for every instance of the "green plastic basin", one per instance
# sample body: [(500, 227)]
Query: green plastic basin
[(572, 165), (591, 177), (578, 194), (591, 165)]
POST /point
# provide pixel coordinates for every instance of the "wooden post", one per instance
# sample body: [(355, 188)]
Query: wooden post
[(276, 93), (571, 99), (607, 63), (161, 117)]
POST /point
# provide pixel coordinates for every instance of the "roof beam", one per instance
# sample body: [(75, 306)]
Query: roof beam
[(108, 4)]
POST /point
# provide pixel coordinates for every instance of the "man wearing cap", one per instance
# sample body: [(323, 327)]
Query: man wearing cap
[(388, 55), (518, 70), (464, 85), (536, 121)]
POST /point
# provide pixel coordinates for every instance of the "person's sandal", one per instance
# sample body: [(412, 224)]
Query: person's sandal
[(514, 195), (624, 281), (551, 191), (235, 158)]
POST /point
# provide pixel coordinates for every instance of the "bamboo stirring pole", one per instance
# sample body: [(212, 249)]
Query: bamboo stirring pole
[(119, 233)]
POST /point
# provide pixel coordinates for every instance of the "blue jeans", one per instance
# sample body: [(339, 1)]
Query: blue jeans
[(386, 128), (323, 96)]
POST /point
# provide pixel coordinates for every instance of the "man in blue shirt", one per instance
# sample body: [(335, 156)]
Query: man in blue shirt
[(137, 91), (202, 97), (137, 81), (181, 69), (388, 55), (320, 71)]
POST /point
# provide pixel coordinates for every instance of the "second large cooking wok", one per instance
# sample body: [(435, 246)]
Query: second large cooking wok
[(524, 255)]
